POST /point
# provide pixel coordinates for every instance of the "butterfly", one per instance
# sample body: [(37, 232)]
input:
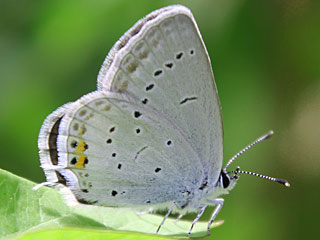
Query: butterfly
[(151, 135)]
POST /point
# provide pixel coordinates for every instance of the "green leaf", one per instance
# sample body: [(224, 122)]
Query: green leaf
[(44, 213), (70, 233)]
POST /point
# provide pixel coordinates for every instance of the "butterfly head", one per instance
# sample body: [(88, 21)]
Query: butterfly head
[(228, 180)]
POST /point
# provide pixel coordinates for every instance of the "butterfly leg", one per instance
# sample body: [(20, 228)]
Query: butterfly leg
[(150, 210), (166, 216), (36, 187), (179, 217), (197, 218), (219, 202)]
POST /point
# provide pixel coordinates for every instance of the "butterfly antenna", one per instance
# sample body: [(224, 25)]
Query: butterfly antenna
[(265, 137), (278, 180)]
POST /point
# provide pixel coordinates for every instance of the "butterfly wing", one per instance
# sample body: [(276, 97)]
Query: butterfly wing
[(163, 62), (152, 133), (114, 151)]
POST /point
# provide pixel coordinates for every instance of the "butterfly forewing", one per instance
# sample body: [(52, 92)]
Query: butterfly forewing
[(165, 66)]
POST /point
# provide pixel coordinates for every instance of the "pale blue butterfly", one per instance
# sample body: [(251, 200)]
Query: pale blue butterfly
[(151, 135)]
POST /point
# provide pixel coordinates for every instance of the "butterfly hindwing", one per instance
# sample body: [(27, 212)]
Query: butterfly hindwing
[(114, 151)]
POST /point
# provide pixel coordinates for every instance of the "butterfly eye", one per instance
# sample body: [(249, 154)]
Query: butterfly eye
[(225, 179)]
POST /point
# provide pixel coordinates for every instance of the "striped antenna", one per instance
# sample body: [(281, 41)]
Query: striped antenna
[(265, 137), (278, 180)]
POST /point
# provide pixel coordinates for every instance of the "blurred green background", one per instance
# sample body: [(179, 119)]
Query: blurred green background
[(266, 60)]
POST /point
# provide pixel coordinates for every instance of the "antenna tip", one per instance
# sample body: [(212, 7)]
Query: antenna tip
[(269, 134), (283, 182)]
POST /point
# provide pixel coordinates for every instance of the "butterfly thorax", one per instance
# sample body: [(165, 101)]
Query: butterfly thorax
[(193, 197)]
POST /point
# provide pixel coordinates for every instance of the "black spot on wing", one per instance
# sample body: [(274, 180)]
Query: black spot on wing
[(179, 55), (157, 73), (149, 87), (187, 99), (137, 114), (169, 65)]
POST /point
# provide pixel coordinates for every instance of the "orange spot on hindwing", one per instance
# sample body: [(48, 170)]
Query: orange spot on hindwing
[(82, 159), (81, 147)]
